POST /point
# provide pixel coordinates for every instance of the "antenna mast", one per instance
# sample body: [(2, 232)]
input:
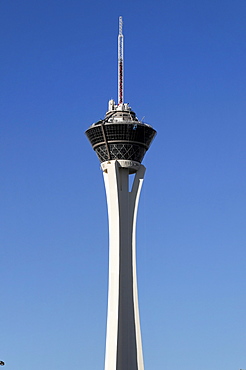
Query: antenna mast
[(120, 63)]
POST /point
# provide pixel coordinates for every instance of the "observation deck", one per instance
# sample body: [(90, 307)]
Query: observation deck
[(120, 135)]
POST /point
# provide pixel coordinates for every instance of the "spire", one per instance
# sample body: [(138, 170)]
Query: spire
[(120, 63)]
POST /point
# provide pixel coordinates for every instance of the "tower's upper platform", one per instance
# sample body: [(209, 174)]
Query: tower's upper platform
[(120, 135)]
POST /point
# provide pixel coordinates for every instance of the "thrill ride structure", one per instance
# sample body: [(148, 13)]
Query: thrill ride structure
[(120, 141)]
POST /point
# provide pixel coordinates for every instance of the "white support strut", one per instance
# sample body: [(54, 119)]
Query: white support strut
[(123, 342)]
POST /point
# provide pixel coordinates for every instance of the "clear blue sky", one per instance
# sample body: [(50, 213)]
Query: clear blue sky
[(185, 72)]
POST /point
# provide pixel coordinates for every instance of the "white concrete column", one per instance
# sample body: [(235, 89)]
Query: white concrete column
[(123, 340)]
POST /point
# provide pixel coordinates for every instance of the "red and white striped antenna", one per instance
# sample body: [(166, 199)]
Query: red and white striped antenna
[(120, 63)]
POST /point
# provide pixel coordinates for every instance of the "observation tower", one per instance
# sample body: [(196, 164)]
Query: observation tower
[(120, 141)]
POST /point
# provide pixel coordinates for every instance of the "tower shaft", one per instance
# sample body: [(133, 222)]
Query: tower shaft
[(123, 341)]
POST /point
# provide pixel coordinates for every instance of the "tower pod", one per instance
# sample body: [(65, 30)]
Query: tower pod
[(120, 135)]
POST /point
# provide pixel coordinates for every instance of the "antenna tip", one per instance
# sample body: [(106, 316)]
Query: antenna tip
[(120, 25)]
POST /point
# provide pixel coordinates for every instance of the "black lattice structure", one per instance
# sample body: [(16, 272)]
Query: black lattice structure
[(128, 140)]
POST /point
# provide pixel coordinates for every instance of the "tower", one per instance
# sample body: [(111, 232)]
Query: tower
[(120, 141)]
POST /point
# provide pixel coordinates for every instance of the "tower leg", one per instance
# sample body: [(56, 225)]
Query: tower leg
[(123, 341)]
